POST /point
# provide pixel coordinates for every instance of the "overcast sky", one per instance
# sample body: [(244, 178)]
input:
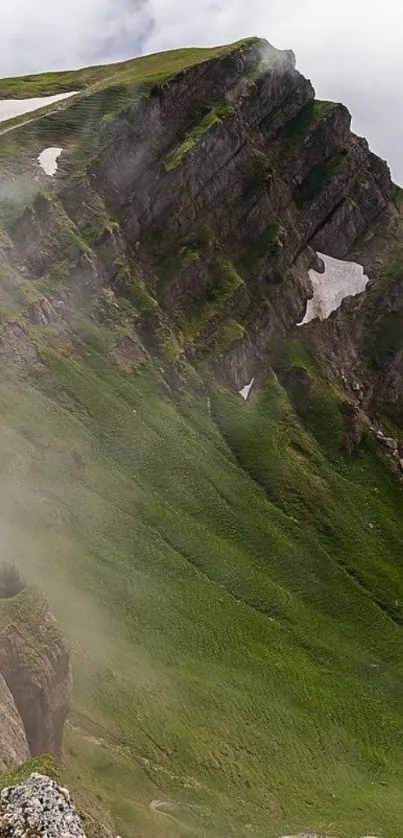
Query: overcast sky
[(351, 49)]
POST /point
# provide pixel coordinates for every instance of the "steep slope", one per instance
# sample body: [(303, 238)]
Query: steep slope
[(229, 575)]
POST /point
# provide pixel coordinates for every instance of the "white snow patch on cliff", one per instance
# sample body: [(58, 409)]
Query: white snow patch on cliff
[(246, 390), (340, 280), (48, 160), (10, 108)]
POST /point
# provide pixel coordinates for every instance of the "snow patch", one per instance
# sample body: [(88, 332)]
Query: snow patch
[(246, 390), (48, 160), (340, 280), (10, 108)]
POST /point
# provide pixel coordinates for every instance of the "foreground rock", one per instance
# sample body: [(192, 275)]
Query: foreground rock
[(35, 665), (38, 807), (13, 743)]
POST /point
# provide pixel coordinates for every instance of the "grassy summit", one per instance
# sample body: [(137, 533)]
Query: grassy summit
[(107, 88), (102, 92), (146, 70)]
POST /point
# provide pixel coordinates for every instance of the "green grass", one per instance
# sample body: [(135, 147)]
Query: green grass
[(225, 281), (232, 613), (392, 272), (175, 264), (130, 284), (224, 332), (41, 765), (103, 92), (15, 294), (147, 69), (214, 117)]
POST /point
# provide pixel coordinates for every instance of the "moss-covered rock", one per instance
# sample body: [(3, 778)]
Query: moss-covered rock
[(35, 664), (43, 764), (13, 742)]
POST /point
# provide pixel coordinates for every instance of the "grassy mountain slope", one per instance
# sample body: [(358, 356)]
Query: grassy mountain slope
[(230, 581), (102, 90), (149, 68), (230, 589)]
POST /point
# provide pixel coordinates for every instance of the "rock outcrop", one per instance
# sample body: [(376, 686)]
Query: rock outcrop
[(222, 184), (275, 177), (38, 807), (35, 665), (361, 344), (13, 742)]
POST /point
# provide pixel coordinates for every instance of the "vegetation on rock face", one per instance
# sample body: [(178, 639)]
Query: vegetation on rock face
[(147, 69), (300, 126), (103, 92), (130, 284), (214, 117), (41, 765), (225, 281)]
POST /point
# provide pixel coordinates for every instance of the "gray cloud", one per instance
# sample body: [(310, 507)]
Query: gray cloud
[(351, 49), (47, 35)]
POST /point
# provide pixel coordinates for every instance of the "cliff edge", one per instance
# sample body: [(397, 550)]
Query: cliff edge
[(35, 669)]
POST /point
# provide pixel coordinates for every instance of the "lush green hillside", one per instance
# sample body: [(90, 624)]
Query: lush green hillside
[(232, 590), (143, 70), (102, 91), (230, 577)]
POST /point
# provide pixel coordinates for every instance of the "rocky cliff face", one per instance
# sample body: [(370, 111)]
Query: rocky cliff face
[(35, 667), (275, 177), (205, 206), (13, 742), (361, 344)]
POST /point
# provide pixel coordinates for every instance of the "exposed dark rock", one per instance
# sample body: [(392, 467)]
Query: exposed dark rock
[(13, 742), (35, 664), (218, 189)]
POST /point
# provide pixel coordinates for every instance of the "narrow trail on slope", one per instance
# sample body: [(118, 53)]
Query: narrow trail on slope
[(6, 114)]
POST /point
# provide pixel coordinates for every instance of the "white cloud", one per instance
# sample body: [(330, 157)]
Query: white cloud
[(351, 49), (47, 35)]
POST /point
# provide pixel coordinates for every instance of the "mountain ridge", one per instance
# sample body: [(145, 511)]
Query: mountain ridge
[(228, 572)]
